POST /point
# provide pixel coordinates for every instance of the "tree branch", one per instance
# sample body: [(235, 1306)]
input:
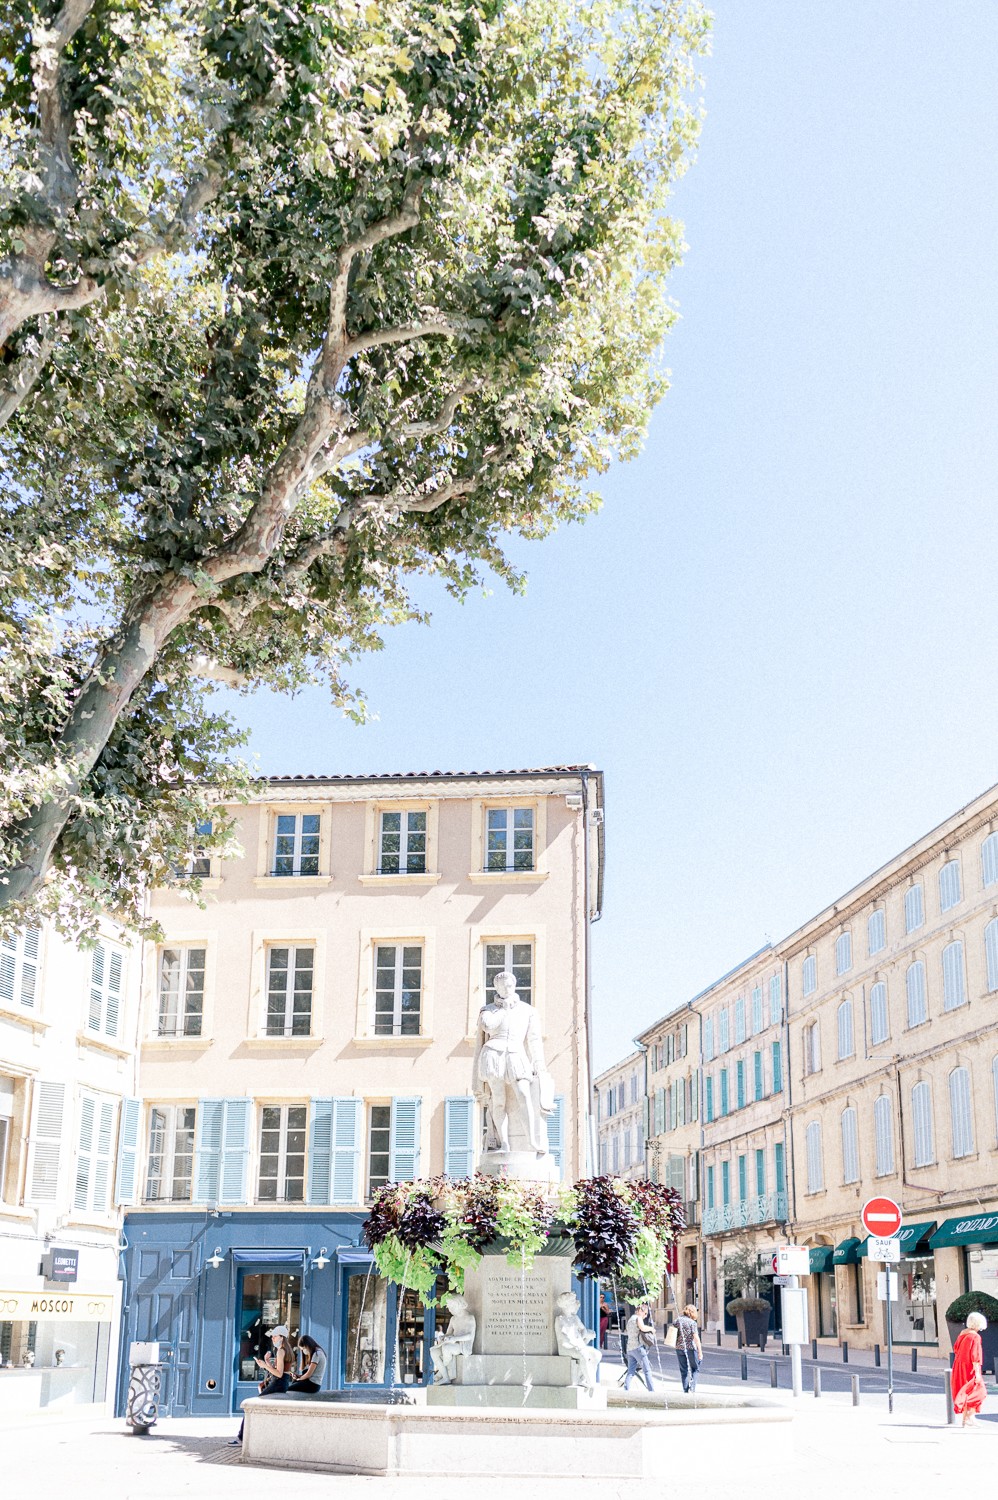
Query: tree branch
[(58, 177), (21, 377), (443, 328), (394, 224)]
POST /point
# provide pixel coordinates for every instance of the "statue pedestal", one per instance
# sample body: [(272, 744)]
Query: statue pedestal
[(524, 1164)]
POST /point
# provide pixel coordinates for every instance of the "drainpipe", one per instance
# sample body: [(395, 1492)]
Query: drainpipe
[(587, 974)]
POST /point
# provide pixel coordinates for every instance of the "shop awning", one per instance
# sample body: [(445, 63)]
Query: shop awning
[(821, 1258), (846, 1253), (910, 1235), (975, 1229)]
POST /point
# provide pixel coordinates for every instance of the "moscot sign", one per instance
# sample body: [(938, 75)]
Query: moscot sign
[(52, 1307)]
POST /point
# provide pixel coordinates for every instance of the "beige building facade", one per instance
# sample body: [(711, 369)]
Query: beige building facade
[(619, 1109)]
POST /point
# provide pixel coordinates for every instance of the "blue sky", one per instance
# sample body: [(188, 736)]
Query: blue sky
[(778, 637)]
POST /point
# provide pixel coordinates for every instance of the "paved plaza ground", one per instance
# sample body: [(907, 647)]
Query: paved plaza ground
[(831, 1450)]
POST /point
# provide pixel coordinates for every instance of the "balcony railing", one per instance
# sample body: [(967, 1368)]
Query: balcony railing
[(767, 1208)]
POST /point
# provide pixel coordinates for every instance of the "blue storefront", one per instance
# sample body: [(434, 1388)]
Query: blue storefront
[(207, 1286)]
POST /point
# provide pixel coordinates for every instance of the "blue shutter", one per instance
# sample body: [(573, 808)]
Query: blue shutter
[(208, 1149), (709, 1099), (777, 1069), (760, 1087), (459, 1131), (556, 1134), (128, 1143), (235, 1151), (403, 1146), (348, 1117), (320, 1150)]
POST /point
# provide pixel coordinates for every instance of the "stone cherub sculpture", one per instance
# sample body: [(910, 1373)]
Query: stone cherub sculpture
[(575, 1340), (510, 1074), (459, 1339)]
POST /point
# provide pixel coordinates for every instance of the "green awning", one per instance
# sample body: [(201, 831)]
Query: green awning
[(847, 1253), (975, 1229), (821, 1258), (910, 1236)]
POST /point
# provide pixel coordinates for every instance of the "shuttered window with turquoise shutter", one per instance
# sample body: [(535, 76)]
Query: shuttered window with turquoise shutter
[(739, 1020), (775, 1000), (403, 1162), (724, 1091), (235, 1151), (334, 1141), (777, 1068), (923, 1133), (709, 1099), (459, 1132), (758, 1078), (556, 1134), (740, 1084), (757, 1017), (95, 1144), (742, 1179), (883, 1128), (208, 1149), (125, 1186), (989, 859), (991, 954), (320, 1151)]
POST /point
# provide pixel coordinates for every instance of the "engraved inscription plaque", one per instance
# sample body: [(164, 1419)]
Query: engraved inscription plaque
[(518, 1309)]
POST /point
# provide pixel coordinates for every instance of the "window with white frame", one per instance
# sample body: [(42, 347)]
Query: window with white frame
[(812, 1048), (843, 952), (815, 1158), (19, 969), (516, 958), (296, 844), (809, 974), (775, 1000), (379, 1146), (914, 908), (398, 989), (290, 977), (876, 931), (402, 843), (95, 1145), (922, 1130), (989, 859), (170, 1169), (918, 1005), (758, 1021), (949, 885), (960, 1113), (509, 839), (107, 966), (883, 1130), (283, 1132), (880, 1026), (991, 954), (845, 1030), (850, 1145), (954, 985), (181, 991)]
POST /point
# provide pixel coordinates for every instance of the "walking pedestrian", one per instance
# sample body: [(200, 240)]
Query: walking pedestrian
[(640, 1333), (312, 1367), (279, 1364), (689, 1350), (604, 1319), (967, 1377)]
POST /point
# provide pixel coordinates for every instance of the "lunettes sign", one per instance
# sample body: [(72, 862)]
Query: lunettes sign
[(62, 1265)]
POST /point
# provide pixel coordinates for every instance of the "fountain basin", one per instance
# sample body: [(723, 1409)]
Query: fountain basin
[(364, 1438)]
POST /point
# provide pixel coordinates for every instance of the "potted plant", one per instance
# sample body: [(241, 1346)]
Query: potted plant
[(956, 1318), (749, 1310)]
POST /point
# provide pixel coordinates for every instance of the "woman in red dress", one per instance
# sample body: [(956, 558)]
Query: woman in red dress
[(966, 1378)]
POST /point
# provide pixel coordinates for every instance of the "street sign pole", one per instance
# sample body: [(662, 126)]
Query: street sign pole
[(890, 1343), (795, 1353)]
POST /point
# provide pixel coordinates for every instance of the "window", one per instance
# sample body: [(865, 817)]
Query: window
[(845, 1030), (289, 991), (104, 1012), (725, 1184), (775, 1001), (402, 843), (815, 1163), (708, 1028), (809, 974), (518, 960), (19, 968), (779, 1167), (379, 1133), (961, 1118), (739, 1020), (918, 1007), (634, 1088), (880, 1028), (683, 1040), (949, 885), (722, 1030), (509, 838), (883, 1127), (725, 1107), (914, 908), (181, 991), (812, 1048), (989, 859), (282, 1153), (760, 1172), (843, 952), (398, 988), (994, 1087), (991, 954), (296, 844), (170, 1171), (710, 1187), (757, 1018), (709, 1098), (92, 1189), (954, 988), (740, 1083), (742, 1179), (876, 932), (199, 865), (850, 1146), (758, 1077), (921, 1114), (777, 1068)]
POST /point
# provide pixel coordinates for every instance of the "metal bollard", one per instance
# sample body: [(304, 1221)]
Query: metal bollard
[(876, 1355), (948, 1389), (814, 1348), (745, 1367), (741, 1341), (855, 1390), (914, 1361), (845, 1352), (785, 1350), (773, 1380), (816, 1372), (719, 1338)]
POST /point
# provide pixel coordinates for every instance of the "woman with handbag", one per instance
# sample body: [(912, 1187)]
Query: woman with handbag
[(640, 1337), (689, 1350), (967, 1376)]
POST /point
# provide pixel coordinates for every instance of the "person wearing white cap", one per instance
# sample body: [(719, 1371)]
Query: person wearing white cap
[(279, 1366)]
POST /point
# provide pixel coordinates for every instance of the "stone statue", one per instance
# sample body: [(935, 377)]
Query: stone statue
[(510, 1076), (575, 1340), (28, 1358), (459, 1339)]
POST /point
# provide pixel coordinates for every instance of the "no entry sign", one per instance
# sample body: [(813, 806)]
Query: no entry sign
[(881, 1218)]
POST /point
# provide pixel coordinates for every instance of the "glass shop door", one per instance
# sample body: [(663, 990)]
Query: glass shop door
[(264, 1299), (374, 1314)]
